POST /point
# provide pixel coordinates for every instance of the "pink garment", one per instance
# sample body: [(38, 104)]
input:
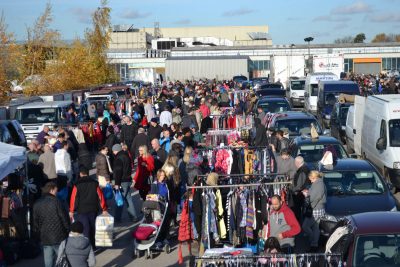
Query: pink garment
[(222, 161), (205, 111)]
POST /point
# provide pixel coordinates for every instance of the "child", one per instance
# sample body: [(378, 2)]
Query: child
[(77, 248)]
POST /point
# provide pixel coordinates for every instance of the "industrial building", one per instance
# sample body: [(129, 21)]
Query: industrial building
[(222, 52)]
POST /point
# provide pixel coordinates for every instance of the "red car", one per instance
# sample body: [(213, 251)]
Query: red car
[(368, 239)]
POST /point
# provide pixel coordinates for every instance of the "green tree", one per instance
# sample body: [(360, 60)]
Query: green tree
[(360, 38)]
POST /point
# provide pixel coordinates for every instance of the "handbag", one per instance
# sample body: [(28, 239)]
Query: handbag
[(63, 260), (108, 191), (118, 198)]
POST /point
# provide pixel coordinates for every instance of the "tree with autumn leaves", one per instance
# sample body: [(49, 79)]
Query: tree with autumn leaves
[(83, 63), (44, 64)]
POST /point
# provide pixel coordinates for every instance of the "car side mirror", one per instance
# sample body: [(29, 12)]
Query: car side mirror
[(381, 144), (353, 156), (306, 94), (390, 186), (354, 131)]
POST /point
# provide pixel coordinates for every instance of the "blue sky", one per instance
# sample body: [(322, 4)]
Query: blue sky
[(289, 20)]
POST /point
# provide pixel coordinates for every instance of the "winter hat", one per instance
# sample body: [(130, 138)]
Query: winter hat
[(154, 120), (117, 148), (77, 227), (212, 179)]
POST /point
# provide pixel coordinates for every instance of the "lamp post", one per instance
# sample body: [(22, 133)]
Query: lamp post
[(308, 40), (291, 58)]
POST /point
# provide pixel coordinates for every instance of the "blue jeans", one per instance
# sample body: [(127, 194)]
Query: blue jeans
[(50, 254), (126, 192)]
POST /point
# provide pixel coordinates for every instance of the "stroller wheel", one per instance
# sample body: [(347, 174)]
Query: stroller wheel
[(167, 249)]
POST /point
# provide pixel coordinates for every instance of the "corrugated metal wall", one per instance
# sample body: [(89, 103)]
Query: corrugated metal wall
[(221, 69)]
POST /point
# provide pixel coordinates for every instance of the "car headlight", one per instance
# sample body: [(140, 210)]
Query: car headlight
[(330, 218), (396, 165), (328, 117), (294, 95), (394, 208)]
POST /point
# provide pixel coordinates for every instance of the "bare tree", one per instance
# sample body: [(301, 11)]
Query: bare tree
[(344, 40)]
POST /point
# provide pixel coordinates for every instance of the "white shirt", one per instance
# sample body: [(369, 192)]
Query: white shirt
[(63, 163), (165, 118), (149, 111)]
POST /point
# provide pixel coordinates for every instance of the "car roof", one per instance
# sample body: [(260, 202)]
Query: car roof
[(47, 104), (289, 115), (271, 99), (376, 222), (350, 164), (302, 140)]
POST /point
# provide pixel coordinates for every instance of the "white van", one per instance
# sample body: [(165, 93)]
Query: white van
[(379, 126), (34, 116), (311, 89), (296, 91), (350, 129)]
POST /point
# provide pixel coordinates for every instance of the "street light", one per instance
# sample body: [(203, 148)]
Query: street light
[(308, 40)]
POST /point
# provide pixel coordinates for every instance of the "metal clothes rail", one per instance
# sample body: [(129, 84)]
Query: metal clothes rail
[(271, 256), (236, 185)]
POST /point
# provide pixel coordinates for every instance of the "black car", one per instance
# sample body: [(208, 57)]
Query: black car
[(295, 123), (312, 150), (353, 186), (271, 92), (11, 133), (274, 104), (271, 86), (338, 121), (259, 81)]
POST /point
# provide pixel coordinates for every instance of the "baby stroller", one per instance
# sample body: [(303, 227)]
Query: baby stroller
[(154, 209)]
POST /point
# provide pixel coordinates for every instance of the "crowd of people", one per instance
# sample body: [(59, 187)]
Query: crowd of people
[(153, 154)]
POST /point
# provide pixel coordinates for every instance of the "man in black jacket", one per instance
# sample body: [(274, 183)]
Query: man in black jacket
[(300, 182), (154, 130), (128, 132), (140, 140), (261, 134), (86, 201), (122, 173), (50, 220), (159, 154)]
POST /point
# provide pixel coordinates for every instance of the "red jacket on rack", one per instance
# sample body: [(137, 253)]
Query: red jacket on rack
[(143, 173)]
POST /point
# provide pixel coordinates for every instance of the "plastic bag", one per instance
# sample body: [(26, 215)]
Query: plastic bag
[(118, 198), (108, 191)]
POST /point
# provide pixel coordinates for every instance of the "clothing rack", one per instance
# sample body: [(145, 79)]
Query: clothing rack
[(304, 255), (236, 185), (231, 147)]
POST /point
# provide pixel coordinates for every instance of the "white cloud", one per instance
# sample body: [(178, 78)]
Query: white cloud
[(134, 14), (354, 8), (384, 18), (238, 12)]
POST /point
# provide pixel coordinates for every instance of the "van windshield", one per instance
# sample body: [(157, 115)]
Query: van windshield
[(394, 133), (297, 85), (377, 250), (314, 89), (38, 115)]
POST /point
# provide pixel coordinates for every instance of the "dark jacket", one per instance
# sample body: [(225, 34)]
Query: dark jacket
[(206, 124), (261, 134), (50, 220), (154, 132), (188, 120), (128, 133), (140, 140), (300, 179), (177, 101), (110, 141), (78, 250), (102, 166), (122, 168), (84, 157), (87, 197), (159, 158)]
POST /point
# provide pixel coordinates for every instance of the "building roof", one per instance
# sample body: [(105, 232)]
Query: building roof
[(207, 58), (297, 46)]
